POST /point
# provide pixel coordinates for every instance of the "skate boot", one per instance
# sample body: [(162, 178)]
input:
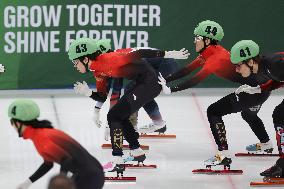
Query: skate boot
[(276, 170), (260, 148), (153, 127), (218, 159), (136, 155), (116, 165)]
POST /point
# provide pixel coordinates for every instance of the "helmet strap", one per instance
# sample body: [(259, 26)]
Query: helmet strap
[(20, 129), (85, 64), (250, 67), (205, 46)]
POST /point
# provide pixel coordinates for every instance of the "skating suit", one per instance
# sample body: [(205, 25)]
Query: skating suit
[(57, 147)]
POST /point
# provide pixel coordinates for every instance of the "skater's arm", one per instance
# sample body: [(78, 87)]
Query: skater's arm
[(102, 88), (186, 70), (148, 53), (97, 96), (116, 91), (42, 170), (153, 53), (271, 85), (102, 84), (198, 77)]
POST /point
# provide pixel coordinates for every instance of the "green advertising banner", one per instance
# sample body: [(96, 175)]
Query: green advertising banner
[(36, 34)]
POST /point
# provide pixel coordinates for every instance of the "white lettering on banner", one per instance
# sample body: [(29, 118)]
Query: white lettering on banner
[(111, 15), (96, 19), (107, 15), (131, 38), (35, 16), (142, 15), (130, 15), (154, 15), (118, 14), (83, 19), (117, 22), (71, 9), (26, 42)]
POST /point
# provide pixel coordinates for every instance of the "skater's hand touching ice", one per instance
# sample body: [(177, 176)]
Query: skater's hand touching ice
[(82, 88), (163, 83), (181, 54), (25, 185)]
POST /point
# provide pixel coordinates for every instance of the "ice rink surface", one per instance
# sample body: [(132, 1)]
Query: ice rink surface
[(175, 158)]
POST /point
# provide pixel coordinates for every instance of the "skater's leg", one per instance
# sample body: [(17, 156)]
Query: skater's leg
[(158, 124), (278, 121), (255, 123), (215, 112), (89, 179), (153, 111), (116, 117)]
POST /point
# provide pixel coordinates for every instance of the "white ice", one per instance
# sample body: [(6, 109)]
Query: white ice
[(176, 158)]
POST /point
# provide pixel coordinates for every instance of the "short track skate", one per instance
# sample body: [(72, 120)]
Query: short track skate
[(125, 147), (208, 170), (269, 181)]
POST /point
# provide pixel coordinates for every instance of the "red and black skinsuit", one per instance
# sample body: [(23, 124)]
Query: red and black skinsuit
[(57, 147), (216, 60), (272, 67), (127, 63)]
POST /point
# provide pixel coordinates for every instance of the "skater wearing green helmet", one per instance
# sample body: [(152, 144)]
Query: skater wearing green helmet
[(124, 63), (246, 56), (54, 146), (215, 59)]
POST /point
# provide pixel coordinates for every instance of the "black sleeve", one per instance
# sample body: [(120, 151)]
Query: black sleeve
[(148, 53), (177, 75), (42, 170), (97, 96)]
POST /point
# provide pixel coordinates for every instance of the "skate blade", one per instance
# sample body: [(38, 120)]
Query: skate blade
[(157, 136), (120, 179), (269, 182), (210, 171), (133, 166), (125, 147), (255, 154)]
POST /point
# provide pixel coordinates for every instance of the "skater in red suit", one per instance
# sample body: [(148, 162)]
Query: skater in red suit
[(54, 146), (215, 59), (124, 63)]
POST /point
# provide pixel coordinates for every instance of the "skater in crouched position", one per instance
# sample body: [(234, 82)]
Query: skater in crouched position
[(165, 66), (125, 63), (215, 59), (246, 53), (55, 147)]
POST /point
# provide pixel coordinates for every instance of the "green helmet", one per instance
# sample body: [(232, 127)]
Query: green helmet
[(23, 110), (82, 47), (209, 29), (104, 45), (244, 50)]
